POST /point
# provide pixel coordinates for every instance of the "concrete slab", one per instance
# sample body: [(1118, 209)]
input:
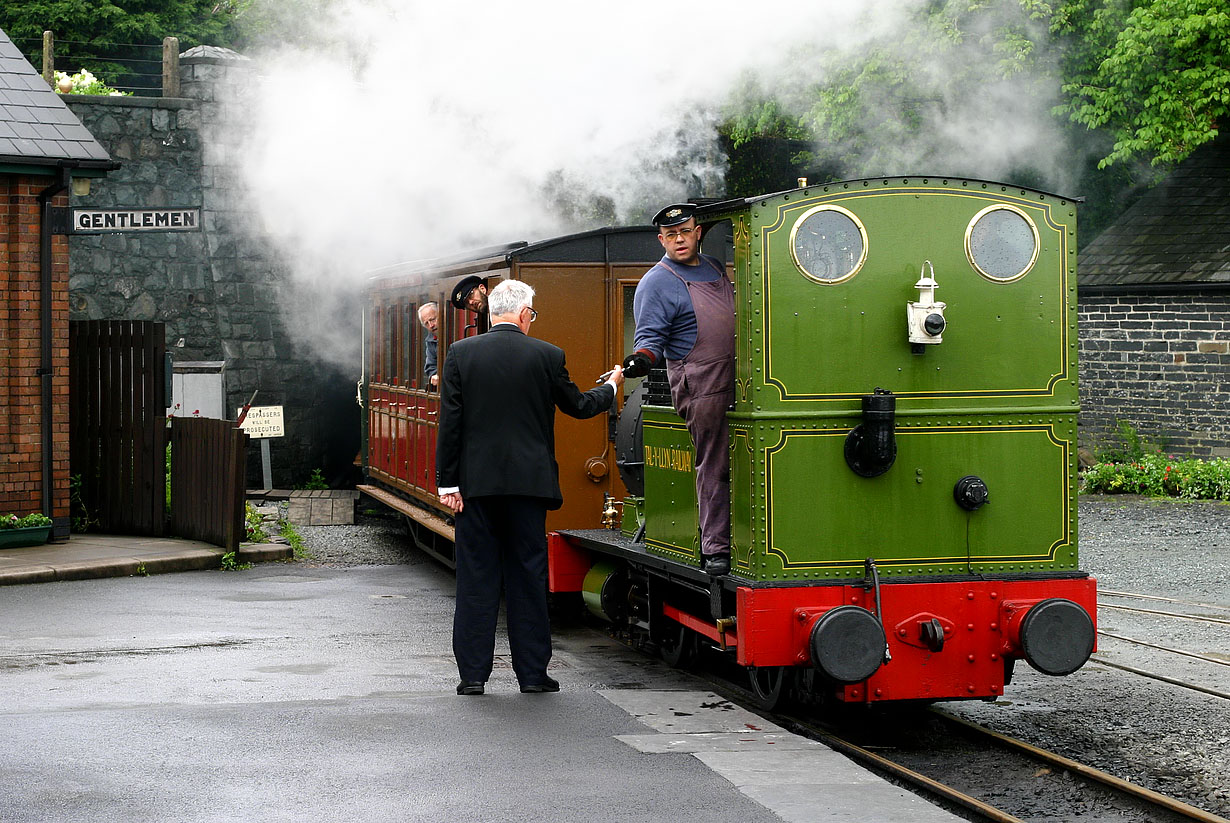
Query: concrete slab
[(844, 803), (686, 712), (716, 742), (799, 780)]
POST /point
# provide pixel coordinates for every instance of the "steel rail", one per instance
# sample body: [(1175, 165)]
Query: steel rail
[(747, 699), (1183, 652), (1167, 614), (1119, 784), (1114, 593), (1155, 676), (907, 775)]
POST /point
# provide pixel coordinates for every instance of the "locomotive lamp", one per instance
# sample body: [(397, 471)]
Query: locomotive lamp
[(925, 319)]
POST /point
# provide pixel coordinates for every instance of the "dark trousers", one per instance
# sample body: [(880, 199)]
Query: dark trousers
[(502, 544)]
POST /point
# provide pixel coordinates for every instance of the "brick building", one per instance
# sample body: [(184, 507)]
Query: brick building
[(1154, 305), (44, 152)]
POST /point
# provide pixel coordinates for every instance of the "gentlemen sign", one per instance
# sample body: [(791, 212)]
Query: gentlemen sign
[(100, 221)]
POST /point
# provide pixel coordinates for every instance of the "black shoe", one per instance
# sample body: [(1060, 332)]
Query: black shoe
[(716, 565), (470, 687), (547, 685)]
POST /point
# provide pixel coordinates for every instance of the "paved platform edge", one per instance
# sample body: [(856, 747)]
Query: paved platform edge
[(119, 566)]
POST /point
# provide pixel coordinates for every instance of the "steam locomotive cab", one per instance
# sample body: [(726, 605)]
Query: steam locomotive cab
[(903, 467)]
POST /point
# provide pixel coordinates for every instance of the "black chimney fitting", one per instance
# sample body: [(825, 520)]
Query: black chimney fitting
[(871, 447)]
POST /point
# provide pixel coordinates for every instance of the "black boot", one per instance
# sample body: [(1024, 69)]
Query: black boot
[(716, 565)]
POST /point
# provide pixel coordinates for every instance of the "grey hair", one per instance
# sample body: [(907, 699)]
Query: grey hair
[(509, 296), (428, 305)]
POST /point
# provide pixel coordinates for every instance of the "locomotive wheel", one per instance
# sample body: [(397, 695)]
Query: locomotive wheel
[(677, 648), (768, 684)]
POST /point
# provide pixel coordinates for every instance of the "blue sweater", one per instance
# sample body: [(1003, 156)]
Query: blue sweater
[(665, 321)]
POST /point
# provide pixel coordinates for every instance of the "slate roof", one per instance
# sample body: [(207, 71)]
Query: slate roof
[(36, 127), (1176, 234)]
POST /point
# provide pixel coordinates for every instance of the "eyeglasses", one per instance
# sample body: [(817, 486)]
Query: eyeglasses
[(674, 234), (533, 314)]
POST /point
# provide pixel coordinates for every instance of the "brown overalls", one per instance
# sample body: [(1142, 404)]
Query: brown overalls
[(703, 389)]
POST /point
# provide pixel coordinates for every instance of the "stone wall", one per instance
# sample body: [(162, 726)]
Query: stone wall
[(1161, 364), (220, 291)]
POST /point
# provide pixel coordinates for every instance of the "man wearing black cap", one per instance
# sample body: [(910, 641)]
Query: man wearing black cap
[(470, 293), (685, 313)]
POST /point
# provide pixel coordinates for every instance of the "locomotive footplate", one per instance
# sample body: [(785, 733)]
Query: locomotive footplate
[(614, 543)]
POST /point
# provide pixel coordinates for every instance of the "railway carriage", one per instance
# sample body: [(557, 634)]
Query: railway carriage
[(903, 442)]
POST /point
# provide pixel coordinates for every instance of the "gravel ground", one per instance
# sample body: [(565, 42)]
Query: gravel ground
[(374, 540), (1161, 736), (1164, 737)]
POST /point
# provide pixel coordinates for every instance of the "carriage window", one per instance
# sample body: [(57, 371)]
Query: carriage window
[(1001, 243), (829, 244)]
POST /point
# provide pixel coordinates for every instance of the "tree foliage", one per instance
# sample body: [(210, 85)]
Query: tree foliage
[(1155, 73), (115, 39)]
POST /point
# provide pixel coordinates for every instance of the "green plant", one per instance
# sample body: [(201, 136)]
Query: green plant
[(315, 481), (168, 478), (30, 521), (295, 540), (84, 82), (1131, 447), (80, 520), (253, 525), (1156, 475), (231, 564)]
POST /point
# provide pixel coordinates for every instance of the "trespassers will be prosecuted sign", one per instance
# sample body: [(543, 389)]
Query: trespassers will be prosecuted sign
[(85, 221), (264, 421)]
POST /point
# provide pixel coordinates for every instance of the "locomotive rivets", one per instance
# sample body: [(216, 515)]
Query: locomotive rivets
[(994, 656), (970, 688), (995, 627), (970, 627), (994, 595), (902, 632), (969, 595), (879, 693), (971, 658)]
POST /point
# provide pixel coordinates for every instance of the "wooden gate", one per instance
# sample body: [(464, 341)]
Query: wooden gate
[(117, 424), (208, 459)]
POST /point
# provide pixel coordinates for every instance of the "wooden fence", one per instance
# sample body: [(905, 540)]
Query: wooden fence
[(117, 429), (118, 442), (208, 459)]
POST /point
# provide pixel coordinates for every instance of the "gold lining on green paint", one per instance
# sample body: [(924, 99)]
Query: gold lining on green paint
[(862, 231), (1065, 538), (969, 251), (1061, 255)]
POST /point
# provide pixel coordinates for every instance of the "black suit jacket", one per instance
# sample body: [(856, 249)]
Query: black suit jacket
[(498, 395)]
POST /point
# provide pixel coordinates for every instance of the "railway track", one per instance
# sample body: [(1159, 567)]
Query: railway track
[(976, 772), (993, 777), (1205, 617)]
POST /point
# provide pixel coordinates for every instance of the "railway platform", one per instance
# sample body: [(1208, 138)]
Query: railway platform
[(627, 739), (93, 556)]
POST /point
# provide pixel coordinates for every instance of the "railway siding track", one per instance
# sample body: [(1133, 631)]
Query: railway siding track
[(1168, 628)]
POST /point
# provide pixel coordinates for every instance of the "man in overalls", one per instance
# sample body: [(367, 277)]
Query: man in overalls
[(685, 311)]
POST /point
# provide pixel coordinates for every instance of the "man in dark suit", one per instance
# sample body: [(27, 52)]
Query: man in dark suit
[(495, 468)]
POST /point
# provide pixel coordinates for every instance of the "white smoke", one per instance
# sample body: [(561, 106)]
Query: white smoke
[(429, 126), (406, 129)]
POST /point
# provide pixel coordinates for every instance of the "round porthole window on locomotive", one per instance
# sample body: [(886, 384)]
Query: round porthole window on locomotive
[(1002, 243), (829, 244)]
